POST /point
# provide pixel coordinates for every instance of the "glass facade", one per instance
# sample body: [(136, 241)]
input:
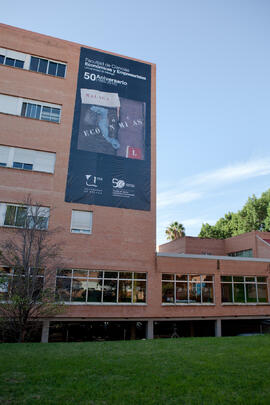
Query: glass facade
[(98, 286), (48, 67), (187, 289)]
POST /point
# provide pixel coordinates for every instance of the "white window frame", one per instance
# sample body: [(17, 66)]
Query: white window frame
[(43, 211), (87, 229), (13, 105)]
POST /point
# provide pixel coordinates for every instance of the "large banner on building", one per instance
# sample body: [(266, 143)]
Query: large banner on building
[(110, 162)]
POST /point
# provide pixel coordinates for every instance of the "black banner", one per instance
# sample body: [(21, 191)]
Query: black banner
[(110, 162)]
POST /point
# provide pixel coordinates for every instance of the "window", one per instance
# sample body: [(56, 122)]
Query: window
[(242, 253), (40, 112), (33, 63), (81, 222), (98, 286), (30, 108), (6, 59), (244, 289), (47, 66), (187, 289), (27, 159), (21, 216), (9, 276)]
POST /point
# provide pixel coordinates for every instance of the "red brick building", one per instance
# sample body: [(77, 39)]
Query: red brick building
[(114, 284)]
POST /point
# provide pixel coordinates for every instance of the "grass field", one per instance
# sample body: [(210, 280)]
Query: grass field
[(188, 371)]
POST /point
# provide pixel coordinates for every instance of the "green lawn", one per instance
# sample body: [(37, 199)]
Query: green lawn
[(188, 371)]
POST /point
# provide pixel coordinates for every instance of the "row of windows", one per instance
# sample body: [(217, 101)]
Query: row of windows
[(240, 289), (187, 289), (101, 287), (27, 159), (30, 108), (192, 289), (9, 276), (28, 62), (21, 216), (98, 286)]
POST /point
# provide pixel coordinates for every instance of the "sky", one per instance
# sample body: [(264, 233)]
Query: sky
[(213, 90)]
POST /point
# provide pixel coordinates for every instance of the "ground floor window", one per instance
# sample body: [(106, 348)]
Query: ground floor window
[(244, 289), (98, 286), (187, 289)]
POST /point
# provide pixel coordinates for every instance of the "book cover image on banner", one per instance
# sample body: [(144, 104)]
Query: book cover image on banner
[(109, 161)]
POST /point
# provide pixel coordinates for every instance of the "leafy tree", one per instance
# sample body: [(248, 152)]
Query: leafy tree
[(175, 231), (30, 257), (255, 215)]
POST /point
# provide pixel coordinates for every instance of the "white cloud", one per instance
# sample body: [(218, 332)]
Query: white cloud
[(196, 187), (174, 197)]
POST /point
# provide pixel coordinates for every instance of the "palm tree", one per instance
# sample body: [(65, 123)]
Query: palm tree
[(175, 231)]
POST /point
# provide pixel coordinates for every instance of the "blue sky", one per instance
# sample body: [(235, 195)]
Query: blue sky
[(213, 90)]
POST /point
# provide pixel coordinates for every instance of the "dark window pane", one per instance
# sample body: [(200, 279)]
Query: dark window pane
[(5, 286), (2, 164), (17, 165), (110, 274), (261, 279), (239, 295), (10, 62), (10, 215), (94, 290), (181, 292), (250, 279), (207, 292), (27, 166), (238, 279), (24, 105), (262, 293), (61, 71), (167, 276), (181, 277), (109, 291), (79, 288), (19, 63), (62, 290), (43, 63), (139, 291), (226, 278), (21, 216), (2, 58), (125, 291), (52, 68), (34, 64), (141, 276), (195, 292), (226, 292), (251, 293), (168, 292), (124, 274)]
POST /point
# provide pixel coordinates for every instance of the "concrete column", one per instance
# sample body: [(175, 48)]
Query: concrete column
[(45, 332), (218, 331), (150, 330)]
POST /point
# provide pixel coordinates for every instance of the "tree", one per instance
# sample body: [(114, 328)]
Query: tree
[(30, 257), (255, 215), (175, 231)]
